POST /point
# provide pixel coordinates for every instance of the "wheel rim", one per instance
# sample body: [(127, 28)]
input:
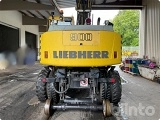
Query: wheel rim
[(47, 107), (106, 108)]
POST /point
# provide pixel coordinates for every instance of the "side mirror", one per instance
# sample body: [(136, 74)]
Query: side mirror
[(110, 24), (98, 21), (52, 13), (106, 22)]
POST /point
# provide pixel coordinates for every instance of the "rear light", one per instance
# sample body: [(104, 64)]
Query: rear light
[(115, 54), (45, 54), (112, 80), (44, 80), (88, 21)]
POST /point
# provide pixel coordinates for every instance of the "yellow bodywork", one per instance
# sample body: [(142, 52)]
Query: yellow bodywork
[(80, 48)]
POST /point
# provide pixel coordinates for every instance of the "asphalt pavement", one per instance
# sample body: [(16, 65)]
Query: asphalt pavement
[(18, 101)]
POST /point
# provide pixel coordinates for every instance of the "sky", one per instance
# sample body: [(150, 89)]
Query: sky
[(103, 14)]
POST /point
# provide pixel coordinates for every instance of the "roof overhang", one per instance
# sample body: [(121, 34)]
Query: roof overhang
[(36, 12)]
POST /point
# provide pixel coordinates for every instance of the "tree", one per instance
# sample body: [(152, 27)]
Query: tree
[(126, 23)]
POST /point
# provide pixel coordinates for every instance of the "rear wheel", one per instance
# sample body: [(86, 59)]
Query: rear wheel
[(104, 92), (41, 84), (115, 88), (111, 90), (51, 94)]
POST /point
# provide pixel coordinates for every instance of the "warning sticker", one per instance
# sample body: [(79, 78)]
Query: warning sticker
[(84, 83)]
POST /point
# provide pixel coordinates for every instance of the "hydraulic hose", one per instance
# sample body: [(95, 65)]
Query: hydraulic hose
[(61, 92)]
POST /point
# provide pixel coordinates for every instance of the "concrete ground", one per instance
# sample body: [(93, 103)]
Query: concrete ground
[(140, 98)]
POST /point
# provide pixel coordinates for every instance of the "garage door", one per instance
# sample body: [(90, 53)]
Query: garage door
[(31, 40), (9, 38)]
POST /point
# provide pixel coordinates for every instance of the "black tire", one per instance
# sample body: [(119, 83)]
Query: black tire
[(108, 92), (41, 86), (114, 91), (104, 92), (51, 94)]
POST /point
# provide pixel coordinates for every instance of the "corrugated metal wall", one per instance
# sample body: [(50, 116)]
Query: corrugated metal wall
[(150, 29)]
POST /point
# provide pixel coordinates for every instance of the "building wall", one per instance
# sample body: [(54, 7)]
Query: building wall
[(14, 19), (150, 29)]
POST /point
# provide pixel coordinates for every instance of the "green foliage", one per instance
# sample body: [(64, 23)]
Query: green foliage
[(127, 24)]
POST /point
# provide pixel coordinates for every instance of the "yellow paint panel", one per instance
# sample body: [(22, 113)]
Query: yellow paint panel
[(60, 41), (81, 38)]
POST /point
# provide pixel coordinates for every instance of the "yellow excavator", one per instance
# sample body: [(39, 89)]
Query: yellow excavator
[(79, 58)]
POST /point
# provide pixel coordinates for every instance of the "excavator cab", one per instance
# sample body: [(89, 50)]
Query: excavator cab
[(59, 20)]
